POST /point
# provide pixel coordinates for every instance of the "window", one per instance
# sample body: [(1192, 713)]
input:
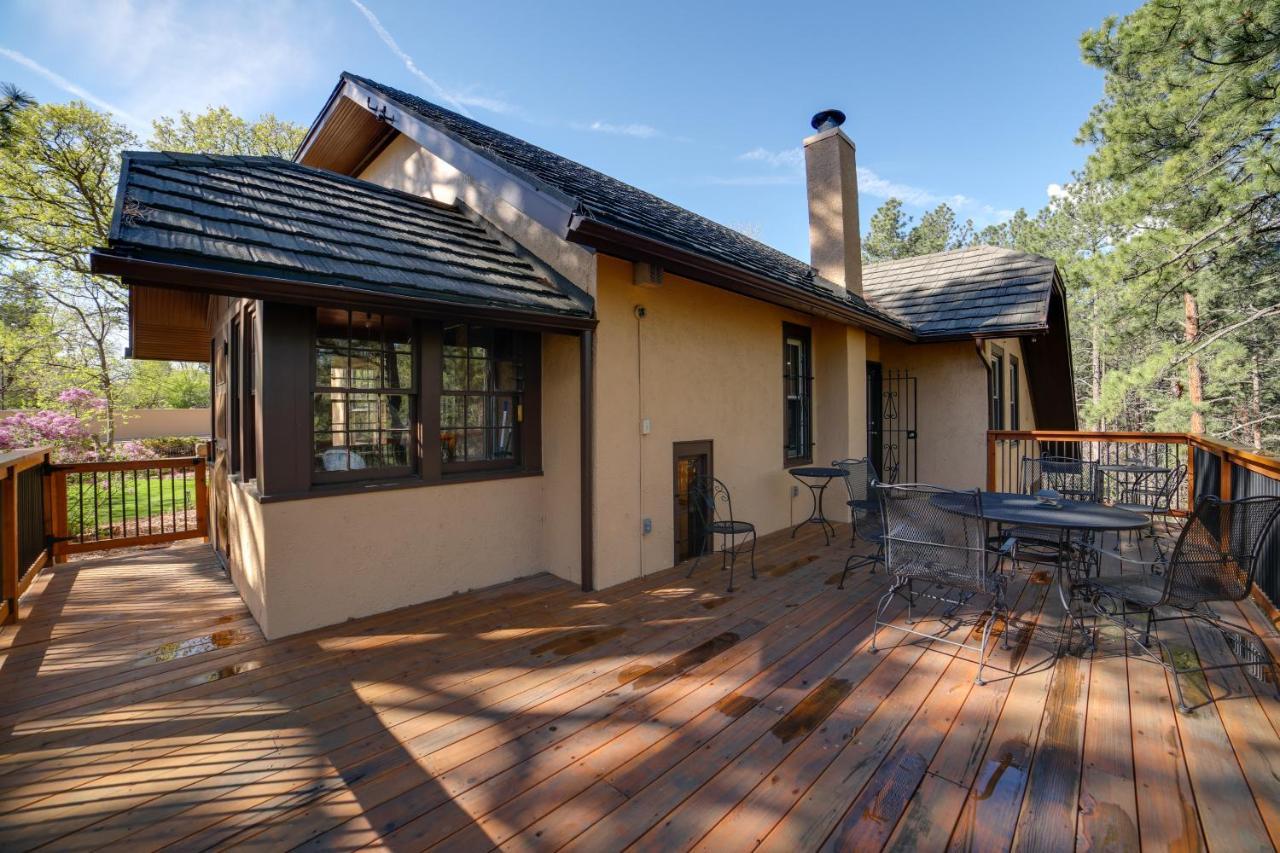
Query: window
[(483, 385), (364, 397), (1015, 416), (996, 378), (234, 393), (797, 392), (249, 407)]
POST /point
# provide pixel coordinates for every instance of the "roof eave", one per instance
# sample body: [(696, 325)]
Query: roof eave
[(126, 263), (632, 246)]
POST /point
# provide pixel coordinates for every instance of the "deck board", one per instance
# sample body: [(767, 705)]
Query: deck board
[(143, 708)]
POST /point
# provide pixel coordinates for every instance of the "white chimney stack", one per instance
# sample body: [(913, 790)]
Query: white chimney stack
[(835, 247)]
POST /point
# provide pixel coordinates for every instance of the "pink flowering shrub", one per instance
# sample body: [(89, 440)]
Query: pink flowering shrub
[(71, 438)]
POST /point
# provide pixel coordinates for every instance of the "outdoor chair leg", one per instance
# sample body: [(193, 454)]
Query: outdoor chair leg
[(880, 609), (731, 556), (753, 555), (982, 653)]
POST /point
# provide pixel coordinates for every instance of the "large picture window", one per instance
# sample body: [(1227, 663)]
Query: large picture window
[(364, 396), (797, 394), (996, 379), (481, 397)]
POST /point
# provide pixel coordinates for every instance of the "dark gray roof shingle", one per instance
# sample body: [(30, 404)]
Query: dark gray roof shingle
[(297, 222), (979, 290), (612, 202)]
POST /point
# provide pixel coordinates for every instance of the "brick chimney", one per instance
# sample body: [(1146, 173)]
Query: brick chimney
[(835, 247)]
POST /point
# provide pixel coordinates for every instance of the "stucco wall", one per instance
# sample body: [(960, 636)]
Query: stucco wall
[(952, 418), (702, 364), (246, 552), (150, 423), (340, 557)]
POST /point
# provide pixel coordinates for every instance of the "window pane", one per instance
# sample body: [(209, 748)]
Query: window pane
[(506, 376), (365, 368), (331, 328), (455, 374), (450, 411), (480, 342), (331, 368), (476, 449), (397, 332), (363, 411), (395, 448), (366, 328), (328, 413), (396, 412), (450, 445), (455, 340), (478, 374), (398, 370), (330, 452), (475, 412)]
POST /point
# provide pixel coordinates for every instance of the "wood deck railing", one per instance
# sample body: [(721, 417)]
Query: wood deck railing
[(51, 510), (1214, 467)]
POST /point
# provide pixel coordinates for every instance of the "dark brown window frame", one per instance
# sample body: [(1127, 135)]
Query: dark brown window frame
[(1015, 390), (361, 476), (529, 357), (996, 389), (805, 334), (249, 394)]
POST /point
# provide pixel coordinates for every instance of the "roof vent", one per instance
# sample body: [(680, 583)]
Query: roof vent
[(826, 120)]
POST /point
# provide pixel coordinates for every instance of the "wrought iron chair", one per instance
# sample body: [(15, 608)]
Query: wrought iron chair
[(714, 505), (1074, 479), (1154, 497), (936, 537), (1215, 560), (864, 510)]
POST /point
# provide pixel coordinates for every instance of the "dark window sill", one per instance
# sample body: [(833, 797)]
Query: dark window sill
[(324, 490), (797, 461)]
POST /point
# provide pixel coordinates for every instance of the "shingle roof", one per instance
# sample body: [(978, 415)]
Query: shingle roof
[(290, 221), (978, 290), (612, 202)]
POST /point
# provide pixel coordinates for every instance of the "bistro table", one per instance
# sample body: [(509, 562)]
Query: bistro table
[(816, 478), (1139, 471), (1064, 516)]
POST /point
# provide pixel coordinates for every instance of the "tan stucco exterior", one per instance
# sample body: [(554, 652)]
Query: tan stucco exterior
[(699, 363), (704, 364)]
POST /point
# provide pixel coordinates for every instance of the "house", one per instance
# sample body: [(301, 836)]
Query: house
[(443, 357)]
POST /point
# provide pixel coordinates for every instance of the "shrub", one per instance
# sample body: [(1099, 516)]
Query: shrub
[(170, 445)]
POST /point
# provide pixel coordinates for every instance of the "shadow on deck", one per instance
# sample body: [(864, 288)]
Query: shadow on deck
[(142, 707)]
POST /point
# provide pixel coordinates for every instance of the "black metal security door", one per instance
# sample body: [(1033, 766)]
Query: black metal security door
[(897, 434)]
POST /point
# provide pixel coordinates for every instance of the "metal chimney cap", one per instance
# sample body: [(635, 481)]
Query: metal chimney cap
[(826, 120)]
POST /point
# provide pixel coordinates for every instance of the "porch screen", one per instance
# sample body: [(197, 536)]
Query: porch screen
[(364, 395)]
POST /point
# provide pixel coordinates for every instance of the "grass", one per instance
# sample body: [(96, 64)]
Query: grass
[(124, 499)]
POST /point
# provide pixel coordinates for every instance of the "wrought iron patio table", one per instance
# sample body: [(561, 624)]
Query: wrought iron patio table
[(816, 478), (1138, 471), (1066, 517)]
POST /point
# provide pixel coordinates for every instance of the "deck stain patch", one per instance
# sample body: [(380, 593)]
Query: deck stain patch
[(736, 704), (648, 676), (789, 567), (194, 646), (1003, 774), (812, 709), (577, 641)]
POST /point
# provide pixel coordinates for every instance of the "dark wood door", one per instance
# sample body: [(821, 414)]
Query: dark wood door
[(875, 414), (691, 460)]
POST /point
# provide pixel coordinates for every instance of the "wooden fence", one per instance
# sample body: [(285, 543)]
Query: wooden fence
[(51, 510)]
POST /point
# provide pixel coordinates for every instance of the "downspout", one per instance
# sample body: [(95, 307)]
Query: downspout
[(986, 366), (586, 440)]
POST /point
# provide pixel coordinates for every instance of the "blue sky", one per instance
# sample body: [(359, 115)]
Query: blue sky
[(705, 104)]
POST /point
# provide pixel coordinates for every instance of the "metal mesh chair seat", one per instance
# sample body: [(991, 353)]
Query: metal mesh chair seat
[(731, 527), (714, 505), (935, 536), (1215, 560)]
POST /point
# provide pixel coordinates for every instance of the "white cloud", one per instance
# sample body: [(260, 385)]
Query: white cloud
[(792, 158), (160, 57), (635, 130), (1056, 191), (72, 88)]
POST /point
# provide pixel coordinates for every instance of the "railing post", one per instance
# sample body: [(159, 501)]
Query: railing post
[(1224, 478), (991, 462), (58, 529), (202, 499), (9, 543), (1191, 476)]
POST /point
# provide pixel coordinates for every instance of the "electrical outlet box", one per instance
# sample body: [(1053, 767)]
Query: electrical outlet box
[(647, 525), (646, 426), (795, 491)]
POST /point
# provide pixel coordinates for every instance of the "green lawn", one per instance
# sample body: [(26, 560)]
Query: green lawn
[(150, 499)]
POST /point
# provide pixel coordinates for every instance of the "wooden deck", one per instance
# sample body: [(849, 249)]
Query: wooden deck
[(142, 708)]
